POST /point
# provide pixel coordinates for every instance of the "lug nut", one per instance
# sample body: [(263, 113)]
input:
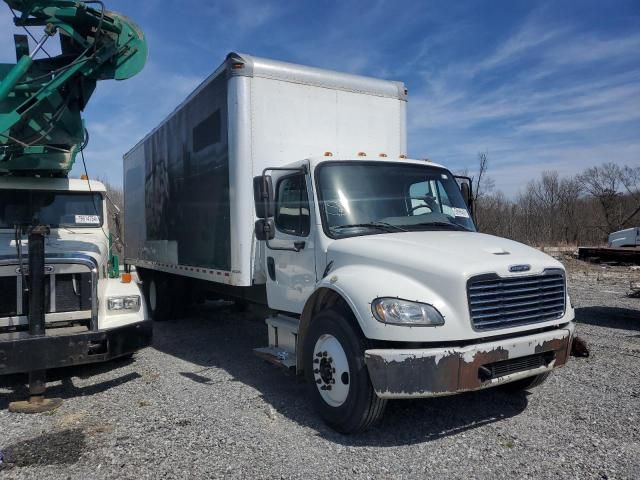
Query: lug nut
[(319, 381), (324, 354), (318, 354), (316, 360), (316, 371)]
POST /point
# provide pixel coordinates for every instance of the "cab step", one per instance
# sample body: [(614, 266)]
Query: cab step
[(283, 339)]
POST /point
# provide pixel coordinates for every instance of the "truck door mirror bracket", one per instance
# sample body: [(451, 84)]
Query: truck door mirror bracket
[(265, 229)]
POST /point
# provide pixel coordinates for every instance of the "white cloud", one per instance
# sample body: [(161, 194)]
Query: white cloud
[(568, 100)]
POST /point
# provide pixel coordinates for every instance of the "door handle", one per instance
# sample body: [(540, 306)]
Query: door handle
[(271, 268), (299, 245)]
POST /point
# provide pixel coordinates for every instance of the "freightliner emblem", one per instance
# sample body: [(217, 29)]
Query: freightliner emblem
[(519, 268)]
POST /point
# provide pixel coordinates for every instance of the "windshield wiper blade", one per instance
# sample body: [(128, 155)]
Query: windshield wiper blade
[(455, 226), (379, 225)]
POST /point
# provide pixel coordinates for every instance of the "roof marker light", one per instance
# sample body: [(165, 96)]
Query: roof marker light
[(403, 156), (328, 154), (382, 155), (237, 66), (362, 154)]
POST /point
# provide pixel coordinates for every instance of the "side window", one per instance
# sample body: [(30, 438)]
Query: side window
[(292, 207), (445, 203)]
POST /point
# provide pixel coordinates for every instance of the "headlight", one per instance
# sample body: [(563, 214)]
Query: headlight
[(131, 302), (403, 312)]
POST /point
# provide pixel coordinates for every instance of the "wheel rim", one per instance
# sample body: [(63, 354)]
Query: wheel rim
[(152, 295), (331, 370)]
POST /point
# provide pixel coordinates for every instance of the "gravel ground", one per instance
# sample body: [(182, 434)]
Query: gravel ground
[(200, 404)]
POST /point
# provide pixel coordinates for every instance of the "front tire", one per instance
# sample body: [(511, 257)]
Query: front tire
[(337, 376), (158, 298)]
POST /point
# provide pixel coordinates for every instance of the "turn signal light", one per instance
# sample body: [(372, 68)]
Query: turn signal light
[(125, 277)]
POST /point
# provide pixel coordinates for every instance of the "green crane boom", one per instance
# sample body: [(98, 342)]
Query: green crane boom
[(41, 100)]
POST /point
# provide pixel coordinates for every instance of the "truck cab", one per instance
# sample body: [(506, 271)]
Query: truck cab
[(390, 292), (91, 313)]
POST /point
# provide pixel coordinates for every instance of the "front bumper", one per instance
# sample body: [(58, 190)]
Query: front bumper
[(431, 372), (22, 352)]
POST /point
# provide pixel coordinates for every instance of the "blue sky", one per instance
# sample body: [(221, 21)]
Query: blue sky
[(537, 85)]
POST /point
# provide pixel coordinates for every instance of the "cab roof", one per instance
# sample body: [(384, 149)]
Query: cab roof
[(61, 184), (375, 158)]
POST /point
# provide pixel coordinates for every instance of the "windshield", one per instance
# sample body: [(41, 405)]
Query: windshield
[(55, 209), (360, 198)]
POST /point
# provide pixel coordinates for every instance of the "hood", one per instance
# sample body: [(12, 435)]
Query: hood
[(428, 267), (457, 253), (60, 242)]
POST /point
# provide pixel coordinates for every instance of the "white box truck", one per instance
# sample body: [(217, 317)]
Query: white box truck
[(290, 185)]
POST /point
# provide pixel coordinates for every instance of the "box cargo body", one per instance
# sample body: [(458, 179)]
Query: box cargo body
[(188, 184)]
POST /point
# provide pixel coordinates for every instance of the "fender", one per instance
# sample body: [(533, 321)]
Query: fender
[(357, 286)]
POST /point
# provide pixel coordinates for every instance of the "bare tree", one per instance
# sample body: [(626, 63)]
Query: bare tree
[(482, 184), (603, 183)]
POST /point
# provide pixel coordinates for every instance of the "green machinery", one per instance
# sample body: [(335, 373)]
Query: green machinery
[(41, 100)]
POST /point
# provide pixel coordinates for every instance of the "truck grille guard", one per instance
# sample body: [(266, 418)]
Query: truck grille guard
[(502, 302), (65, 259)]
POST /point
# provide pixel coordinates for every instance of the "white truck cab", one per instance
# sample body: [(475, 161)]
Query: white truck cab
[(290, 186), (382, 261), (91, 313)]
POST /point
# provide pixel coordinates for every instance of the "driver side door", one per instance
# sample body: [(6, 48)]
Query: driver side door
[(291, 275)]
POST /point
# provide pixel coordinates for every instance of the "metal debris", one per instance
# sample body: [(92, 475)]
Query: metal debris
[(579, 348)]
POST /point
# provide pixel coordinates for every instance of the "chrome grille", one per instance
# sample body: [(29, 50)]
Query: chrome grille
[(496, 302)]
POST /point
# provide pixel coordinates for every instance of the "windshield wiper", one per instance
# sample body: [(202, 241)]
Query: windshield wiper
[(387, 227), (454, 226)]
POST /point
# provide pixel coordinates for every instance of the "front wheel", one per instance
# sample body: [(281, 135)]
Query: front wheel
[(337, 377), (158, 297)]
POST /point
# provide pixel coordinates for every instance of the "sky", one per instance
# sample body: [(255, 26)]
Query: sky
[(536, 85)]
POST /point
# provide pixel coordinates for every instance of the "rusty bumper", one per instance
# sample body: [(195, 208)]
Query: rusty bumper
[(411, 373)]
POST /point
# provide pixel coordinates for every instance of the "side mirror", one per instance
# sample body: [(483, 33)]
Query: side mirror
[(466, 193), (263, 196), (265, 229)]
